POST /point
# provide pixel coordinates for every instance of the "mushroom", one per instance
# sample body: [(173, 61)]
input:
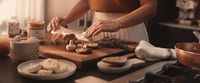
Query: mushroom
[(92, 44), (83, 50), (71, 46)]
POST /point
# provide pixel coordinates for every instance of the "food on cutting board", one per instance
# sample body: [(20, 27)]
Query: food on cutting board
[(57, 38), (114, 43), (68, 37), (60, 38), (92, 45), (83, 50), (48, 67), (71, 46)]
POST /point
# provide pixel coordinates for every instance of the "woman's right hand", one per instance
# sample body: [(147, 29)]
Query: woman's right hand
[(55, 24)]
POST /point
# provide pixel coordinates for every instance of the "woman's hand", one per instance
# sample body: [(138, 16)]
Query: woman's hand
[(102, 26), (55, 24)]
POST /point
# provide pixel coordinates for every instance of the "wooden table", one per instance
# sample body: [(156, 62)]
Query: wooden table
[(9, 74)]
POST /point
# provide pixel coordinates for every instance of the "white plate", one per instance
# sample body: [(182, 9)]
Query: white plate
[(23, 70)]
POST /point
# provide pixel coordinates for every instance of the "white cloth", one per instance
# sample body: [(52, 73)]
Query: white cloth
[(134, 33), (149, 52)]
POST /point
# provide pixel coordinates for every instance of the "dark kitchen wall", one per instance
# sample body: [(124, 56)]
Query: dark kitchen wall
[(167, 10), (164, 36)]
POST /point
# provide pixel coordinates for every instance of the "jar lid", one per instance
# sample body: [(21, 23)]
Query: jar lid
[(36, 24)]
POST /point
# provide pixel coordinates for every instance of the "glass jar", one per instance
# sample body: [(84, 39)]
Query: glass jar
[(36, 29), (13, 27)]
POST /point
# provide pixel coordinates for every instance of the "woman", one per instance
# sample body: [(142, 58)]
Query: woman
[(124, 18)]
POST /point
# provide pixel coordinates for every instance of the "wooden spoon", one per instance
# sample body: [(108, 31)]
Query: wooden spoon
[(119, 60)]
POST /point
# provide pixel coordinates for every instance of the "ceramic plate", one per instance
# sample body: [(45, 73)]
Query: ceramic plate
[(23, 70)]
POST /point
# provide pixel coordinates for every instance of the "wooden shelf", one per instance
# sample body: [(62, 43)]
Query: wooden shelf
[(180, 26)]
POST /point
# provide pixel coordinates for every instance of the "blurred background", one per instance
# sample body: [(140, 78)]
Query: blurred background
[(172, 23)]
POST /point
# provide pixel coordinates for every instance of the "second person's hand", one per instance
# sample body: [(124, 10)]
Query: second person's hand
[(55, 24), (102, 26)]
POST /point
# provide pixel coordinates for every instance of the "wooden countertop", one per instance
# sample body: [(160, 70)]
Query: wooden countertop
[(9, 74)]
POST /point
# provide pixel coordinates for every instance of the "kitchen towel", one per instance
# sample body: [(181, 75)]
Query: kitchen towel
[(148, 52)]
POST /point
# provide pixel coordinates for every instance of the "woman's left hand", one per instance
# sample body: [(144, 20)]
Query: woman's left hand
[(102, 26)]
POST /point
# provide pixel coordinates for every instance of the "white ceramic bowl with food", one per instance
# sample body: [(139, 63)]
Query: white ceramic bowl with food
[(23, 70)]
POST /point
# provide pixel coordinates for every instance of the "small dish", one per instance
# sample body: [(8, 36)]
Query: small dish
[(23, 70), (119, 60), (110, 68)]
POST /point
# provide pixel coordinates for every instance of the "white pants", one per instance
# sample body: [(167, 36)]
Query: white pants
[(133, 33)]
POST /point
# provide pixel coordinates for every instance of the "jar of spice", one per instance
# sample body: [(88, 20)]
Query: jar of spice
[(36, 29), (13, 27)]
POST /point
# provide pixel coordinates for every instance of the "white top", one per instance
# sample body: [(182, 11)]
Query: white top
[(134, 33)]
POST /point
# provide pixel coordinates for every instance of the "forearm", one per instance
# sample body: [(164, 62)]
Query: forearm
[(77, 11), (141, 14)]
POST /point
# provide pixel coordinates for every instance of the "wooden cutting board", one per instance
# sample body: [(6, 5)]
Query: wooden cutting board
[(81, 60)]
